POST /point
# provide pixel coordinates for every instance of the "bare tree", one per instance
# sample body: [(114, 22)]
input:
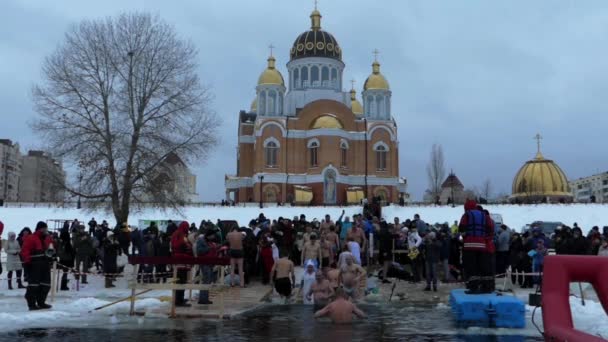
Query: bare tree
[(436, 171), (486, 189), (118, 97)]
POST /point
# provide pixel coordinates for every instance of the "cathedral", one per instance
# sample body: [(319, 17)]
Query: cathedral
[(307, 141)]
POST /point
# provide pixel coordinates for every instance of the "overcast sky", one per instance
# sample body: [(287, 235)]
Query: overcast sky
[(479, 77)]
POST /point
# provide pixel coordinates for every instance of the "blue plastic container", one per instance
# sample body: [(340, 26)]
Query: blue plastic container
[(487, 310)]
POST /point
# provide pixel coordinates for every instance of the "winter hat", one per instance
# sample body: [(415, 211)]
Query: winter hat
[(470, 205), (41, 225)]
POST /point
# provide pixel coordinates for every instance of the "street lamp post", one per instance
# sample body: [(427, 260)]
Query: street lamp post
[(261, 186)]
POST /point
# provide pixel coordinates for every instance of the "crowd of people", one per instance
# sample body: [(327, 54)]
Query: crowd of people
[(334, 253)]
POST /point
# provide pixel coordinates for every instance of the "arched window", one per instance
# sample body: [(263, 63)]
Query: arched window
[(271, 151), (314, 75), (325, 74), (262, 103), (343, 154), (272, 102), (313, 151), (381, 155), (304, 75), (296, 78), (334, 74)]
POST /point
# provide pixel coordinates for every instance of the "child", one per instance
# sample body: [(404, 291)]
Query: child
[(538, 259)]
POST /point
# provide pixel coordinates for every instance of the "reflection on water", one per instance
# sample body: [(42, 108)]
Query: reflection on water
[(290, 323)]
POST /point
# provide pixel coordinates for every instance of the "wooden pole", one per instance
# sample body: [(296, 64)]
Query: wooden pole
[(133, 286), (221, 292), (132, 297), (53, 281), (173, 293)]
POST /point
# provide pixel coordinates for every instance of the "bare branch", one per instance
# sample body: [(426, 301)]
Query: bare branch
[(118, 97)]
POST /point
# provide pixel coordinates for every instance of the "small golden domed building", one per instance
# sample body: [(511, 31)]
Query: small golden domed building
[(541, 180), (305, 140)]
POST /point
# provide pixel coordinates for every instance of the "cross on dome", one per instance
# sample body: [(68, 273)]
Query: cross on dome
[(376, 53), (271, 47)]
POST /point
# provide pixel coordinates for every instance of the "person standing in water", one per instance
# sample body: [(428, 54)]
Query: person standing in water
[(340, 311), (283, 276), (308, 278), (350, 277), (320, 291)]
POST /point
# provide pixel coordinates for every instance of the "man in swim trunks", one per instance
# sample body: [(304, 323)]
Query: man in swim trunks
[(320, 291), (311, 250), (283, 276), (334, 240), (340, 310), (235, 241), (326, 252), (333, 275), (350, 277)]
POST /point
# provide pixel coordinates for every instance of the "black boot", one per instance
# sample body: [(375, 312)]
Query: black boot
[(10, 284), (41, 298), (435, 287), (203, 298), (19, 284), (31, 299), (64, 282)]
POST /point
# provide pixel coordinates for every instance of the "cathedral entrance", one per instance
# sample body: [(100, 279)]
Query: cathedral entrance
[(329, 187)]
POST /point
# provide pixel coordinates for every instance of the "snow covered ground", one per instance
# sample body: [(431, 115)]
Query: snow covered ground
[(71, 309), (586, 215)]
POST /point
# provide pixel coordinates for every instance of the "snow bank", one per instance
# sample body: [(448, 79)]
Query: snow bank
[(586, 215), (589, 318)]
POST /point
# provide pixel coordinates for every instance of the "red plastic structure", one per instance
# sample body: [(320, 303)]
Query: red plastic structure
[(559, 272)]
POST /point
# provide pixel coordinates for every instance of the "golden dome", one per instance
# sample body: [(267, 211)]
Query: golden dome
[(355, 105), (540, 179), (326, 121), (271, 75), (254, 105), (376, 80)]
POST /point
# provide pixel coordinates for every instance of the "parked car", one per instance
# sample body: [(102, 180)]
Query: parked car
[(548, 228)]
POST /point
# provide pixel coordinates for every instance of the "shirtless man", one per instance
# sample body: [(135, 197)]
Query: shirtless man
[(340, 311), (326, 223), (333, 275), (333, 239), (235, 241), (350, 277), (311, 250), (326, 252), (320, 291), (307, 233), (357, 235), (283, 276)]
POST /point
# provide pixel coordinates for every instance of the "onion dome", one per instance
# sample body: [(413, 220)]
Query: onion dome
[(540, 179), (355, 105), (376, 80), (316, 42), (271, 75), (254, 105)]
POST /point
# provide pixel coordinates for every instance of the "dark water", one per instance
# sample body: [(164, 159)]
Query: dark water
[(288, 323)]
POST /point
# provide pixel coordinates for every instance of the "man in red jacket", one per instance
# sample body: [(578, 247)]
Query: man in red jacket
[(477, 251), (33, 253), (181, 247)]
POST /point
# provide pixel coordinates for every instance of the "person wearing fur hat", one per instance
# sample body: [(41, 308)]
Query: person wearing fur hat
[(35, 259)]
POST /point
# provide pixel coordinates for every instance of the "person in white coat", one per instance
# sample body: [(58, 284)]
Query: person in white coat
[(413, 243), (13, 260), (308, 278)]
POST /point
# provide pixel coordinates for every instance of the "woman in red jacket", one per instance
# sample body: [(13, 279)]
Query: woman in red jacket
[(35, 260), (181, 247)]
